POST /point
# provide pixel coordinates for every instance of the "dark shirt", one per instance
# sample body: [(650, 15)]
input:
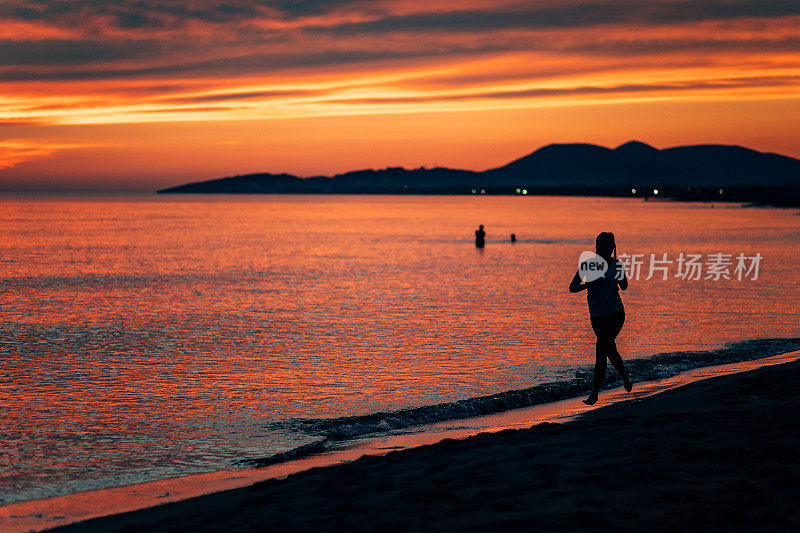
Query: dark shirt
[(602, 294)]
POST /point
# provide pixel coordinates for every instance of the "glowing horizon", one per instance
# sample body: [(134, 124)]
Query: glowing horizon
[(135, 96)]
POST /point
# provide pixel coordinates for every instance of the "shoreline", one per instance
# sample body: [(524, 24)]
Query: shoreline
[(774, 201), (52, 512), (715, 454), (746, 202)]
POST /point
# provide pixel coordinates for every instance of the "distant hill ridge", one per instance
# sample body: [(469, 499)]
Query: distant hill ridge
[(555, 168)]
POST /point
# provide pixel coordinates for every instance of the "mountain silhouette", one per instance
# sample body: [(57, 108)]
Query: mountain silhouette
[(636, 149), (553, 169), (638, 163)]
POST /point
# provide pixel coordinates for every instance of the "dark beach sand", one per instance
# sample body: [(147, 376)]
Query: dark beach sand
[(721, 454)]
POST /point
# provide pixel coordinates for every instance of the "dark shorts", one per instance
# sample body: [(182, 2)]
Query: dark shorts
[(609, 326)]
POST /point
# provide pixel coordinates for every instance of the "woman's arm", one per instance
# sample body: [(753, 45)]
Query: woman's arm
[(575, 285), (623, 283)]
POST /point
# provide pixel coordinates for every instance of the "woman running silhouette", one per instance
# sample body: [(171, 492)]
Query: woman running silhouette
[(605, 312)]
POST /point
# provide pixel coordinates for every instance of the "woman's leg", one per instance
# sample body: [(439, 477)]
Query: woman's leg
[(601, 349), (599, 366), (614, 327), (607, 328)]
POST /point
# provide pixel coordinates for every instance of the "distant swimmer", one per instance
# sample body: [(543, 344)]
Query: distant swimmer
[(513, 237), (606, 311), (480, 237)]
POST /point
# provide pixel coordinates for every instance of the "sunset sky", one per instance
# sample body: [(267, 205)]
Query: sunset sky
[(138, 95)]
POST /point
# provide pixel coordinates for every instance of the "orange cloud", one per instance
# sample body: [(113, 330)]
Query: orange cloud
[(16, 151)]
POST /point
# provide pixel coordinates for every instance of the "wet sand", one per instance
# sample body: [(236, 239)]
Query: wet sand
[(718, 454)]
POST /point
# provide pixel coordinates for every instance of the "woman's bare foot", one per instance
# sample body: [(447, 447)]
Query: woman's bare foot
[(591, 400), (626, 381)]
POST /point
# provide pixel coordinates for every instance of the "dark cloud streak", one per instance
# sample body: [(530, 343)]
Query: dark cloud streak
[(68, 52), (736, 83), (102, 64), (184, 109), (573, 15), (233, 66), (555, 14), (152, 52), (255, 95)]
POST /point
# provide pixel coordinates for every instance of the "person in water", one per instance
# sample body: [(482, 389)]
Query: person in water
[(480, 237), (606, 312)]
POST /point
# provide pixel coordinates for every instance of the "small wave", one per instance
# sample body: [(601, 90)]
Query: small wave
[(299, 452), (656, 367)]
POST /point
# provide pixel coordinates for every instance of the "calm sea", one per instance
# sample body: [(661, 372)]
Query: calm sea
[(151, 337)]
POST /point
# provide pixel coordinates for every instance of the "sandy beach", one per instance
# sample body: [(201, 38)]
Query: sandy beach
[(718, 454)]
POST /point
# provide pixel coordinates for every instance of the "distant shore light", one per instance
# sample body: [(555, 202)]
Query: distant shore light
[(655, 191), (524, 191), (633, 191), (720, 191), (518, 190), (474, 191), (483, 191)]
